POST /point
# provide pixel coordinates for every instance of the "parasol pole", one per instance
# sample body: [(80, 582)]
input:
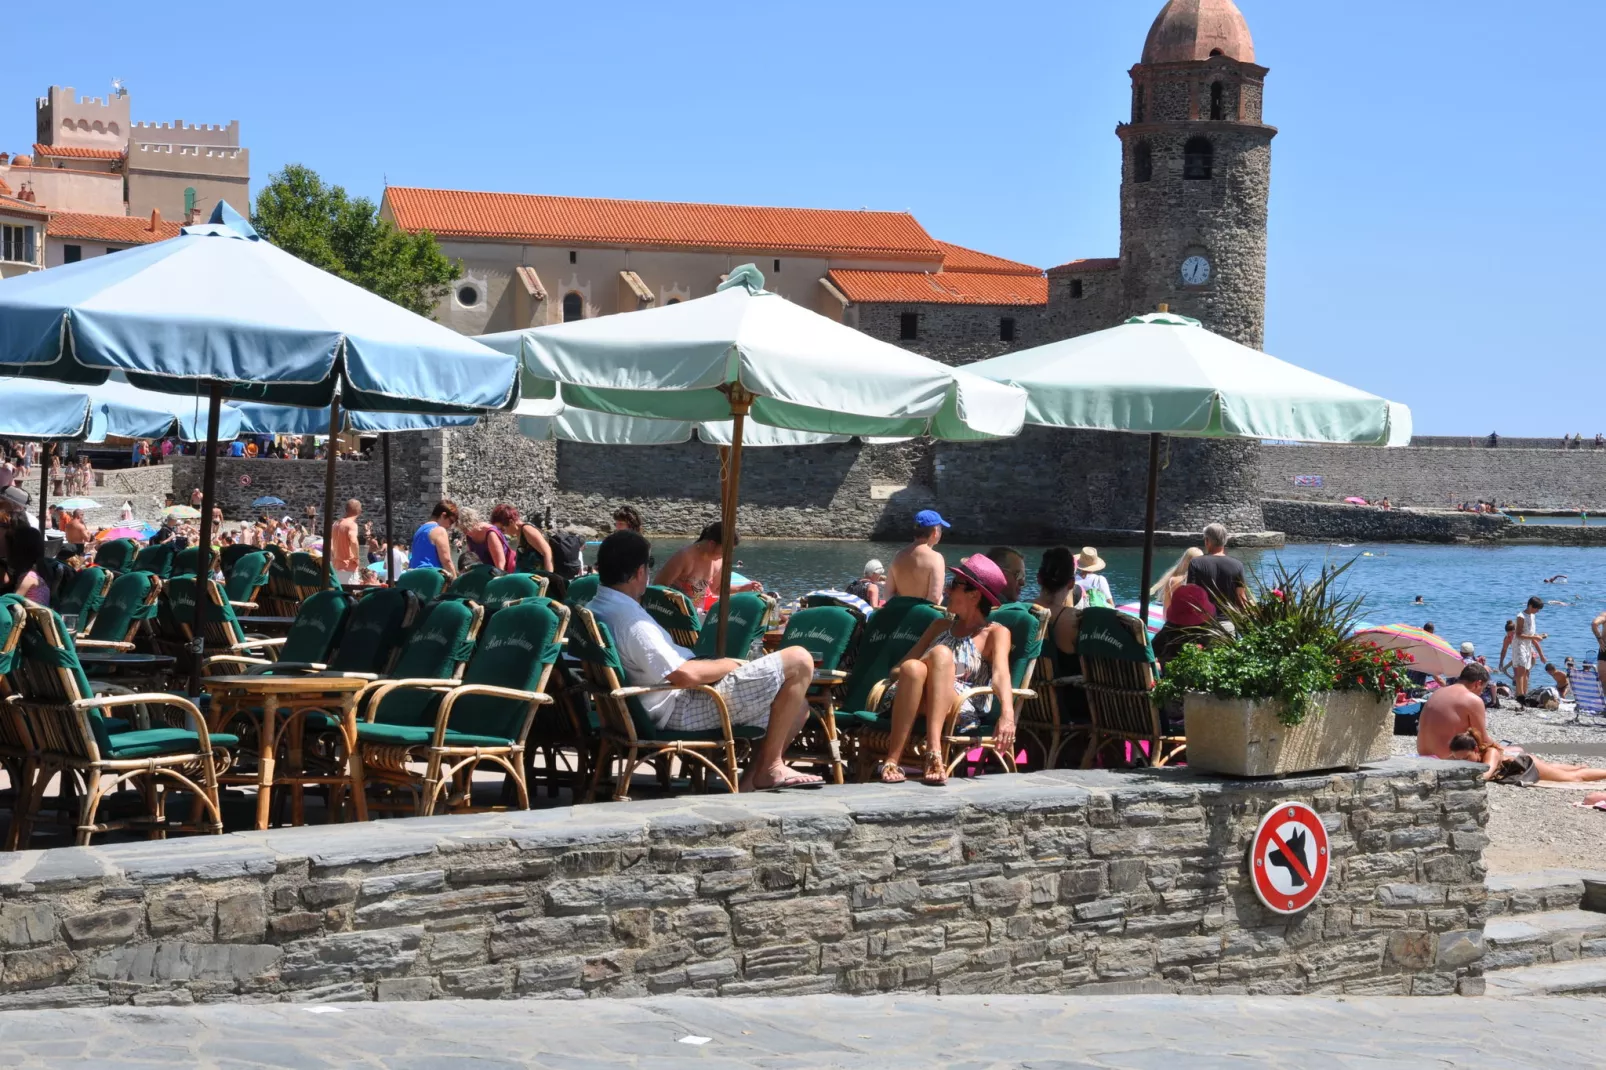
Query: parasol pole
[(741, 400), (329, 491), (203, 556), (44, 486), (1148, 529), (390, 556)]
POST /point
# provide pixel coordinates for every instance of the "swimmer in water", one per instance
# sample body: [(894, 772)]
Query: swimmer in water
[(1560, 578), (1419, 601)]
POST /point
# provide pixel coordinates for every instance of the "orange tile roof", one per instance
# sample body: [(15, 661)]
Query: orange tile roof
[(1107, 263), (940, 287), (15, 207), (662, 224), (959, 258), (76, 151), (128, 229)]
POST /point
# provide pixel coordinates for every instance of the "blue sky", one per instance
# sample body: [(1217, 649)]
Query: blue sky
[(1437, 228)]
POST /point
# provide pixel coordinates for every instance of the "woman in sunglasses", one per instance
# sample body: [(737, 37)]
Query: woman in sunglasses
[(955, 655)]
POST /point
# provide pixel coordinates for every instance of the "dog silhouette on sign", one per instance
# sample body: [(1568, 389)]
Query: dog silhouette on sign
[(1296, 844)]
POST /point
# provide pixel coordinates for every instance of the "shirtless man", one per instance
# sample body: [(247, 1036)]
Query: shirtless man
[(918, 569), (694, 570), (76, 534), (1453, 710), (343, 546)]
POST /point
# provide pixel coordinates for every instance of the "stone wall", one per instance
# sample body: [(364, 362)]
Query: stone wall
[(298, 483), (955, 334), (1323, 521), (1437, 477), (1049, 882)]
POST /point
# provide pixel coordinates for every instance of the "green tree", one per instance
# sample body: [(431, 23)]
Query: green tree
[(344, 235)]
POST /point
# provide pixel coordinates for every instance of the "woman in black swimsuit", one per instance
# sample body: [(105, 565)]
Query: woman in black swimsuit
[(1599, 628)]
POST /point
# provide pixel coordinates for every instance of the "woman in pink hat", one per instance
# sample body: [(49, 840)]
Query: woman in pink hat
[(956, 654)]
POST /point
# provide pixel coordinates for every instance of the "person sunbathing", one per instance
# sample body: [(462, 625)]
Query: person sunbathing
[(1452, 711), (1465, 749)]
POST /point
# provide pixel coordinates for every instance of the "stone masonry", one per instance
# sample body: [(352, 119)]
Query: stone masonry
[(1056, 882)]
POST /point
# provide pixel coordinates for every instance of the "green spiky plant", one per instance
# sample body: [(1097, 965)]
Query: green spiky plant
[(1291, 642)]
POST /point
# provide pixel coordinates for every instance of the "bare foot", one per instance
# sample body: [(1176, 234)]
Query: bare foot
[(936, 772)]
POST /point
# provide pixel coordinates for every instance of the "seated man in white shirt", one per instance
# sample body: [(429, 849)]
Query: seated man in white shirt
[(771, 691)]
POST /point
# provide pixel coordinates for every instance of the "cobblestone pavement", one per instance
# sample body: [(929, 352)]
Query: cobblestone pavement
[(871, 1033)]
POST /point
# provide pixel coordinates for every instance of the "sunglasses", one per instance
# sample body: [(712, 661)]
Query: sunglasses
[(963, 585)]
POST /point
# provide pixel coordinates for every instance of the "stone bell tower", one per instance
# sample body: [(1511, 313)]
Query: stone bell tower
[(1196, 173)]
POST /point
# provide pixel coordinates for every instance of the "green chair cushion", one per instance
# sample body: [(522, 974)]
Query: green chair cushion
[(154, 742), (426, 583), (583, 589), (407, 735), (745, 628), (441, 642)]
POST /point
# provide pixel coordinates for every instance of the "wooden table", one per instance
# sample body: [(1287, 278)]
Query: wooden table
[(150, 671), (285, 701)]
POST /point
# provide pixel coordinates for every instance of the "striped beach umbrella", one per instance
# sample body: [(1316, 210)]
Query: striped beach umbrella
[(1429, 652)]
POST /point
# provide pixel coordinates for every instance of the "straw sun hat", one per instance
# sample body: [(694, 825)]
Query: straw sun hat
[(1089, 560)]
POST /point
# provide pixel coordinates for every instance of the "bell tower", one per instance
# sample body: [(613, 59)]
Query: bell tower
[(1196, 173)]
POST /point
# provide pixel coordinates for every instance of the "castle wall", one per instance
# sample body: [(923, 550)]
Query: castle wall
[(1536, 478)]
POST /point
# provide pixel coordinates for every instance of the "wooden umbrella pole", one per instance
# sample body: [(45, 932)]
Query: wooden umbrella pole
[(390, 555), (203, 555), (329, 491), (1148, 529), (741, 402)]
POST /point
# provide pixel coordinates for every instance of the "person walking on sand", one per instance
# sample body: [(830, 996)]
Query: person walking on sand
[(918, 569)]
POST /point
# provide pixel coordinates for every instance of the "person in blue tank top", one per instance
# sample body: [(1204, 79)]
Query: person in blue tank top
[(432, 548)]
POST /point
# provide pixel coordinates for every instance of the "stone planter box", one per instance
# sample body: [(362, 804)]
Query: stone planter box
[(1243, 737)]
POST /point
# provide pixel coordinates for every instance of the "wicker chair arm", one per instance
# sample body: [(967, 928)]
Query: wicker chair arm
[(443, 716), (374, 694), (103, 644), (1068, 681), (242, 605), (196, 721), (828, 678)]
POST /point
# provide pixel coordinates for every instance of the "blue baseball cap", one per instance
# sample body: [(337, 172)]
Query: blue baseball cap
[(930, 518)]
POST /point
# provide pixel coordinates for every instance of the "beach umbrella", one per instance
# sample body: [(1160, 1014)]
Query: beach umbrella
[(1156, 615), (1354, 501), (1429, 653), (220, 311), (70, 504), (268, 501), (182, 512), (753, 358), (126, 531), (1165, 374)]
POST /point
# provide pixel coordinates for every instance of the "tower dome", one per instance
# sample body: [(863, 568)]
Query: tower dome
[(1189, 30)]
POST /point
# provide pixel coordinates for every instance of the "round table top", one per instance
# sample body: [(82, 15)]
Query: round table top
[(119, 657), (289, 684)]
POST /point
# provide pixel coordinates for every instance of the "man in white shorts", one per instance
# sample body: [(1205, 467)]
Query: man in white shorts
[(1525, 649), (771, 691)]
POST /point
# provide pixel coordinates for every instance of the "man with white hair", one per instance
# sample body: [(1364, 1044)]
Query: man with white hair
[(1221, 576)]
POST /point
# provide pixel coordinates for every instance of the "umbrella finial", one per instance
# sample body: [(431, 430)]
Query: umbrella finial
[(747, 275), (224, 215)]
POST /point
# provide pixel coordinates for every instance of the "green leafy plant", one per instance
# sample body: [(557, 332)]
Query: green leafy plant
[(1291, 642)]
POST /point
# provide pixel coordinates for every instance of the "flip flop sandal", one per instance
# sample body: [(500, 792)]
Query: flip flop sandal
[(936, 772), (892, 773)]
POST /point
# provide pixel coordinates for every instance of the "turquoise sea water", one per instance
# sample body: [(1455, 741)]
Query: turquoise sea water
[(1470, 591)]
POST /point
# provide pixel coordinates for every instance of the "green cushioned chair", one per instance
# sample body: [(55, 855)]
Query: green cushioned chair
[(472, 584), (157, 559), (188, 559), (72, 737), (312, 639), (744, 635), (16, 744), (246, 579), (826, 632), (583, 589), (887, 637), (117, 554), (83, 595), (674, 613), (130, 601), (434, 652), (282, 596), (230, 555), (1118, 676), (221, 628), (485, 718), (308, 575), (427, 583), (626, 731), (514, 587)]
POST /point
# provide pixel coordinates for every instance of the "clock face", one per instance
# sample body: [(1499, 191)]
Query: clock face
[(1195, 271)]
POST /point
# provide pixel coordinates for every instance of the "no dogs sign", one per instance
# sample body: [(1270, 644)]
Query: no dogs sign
[(1289, 859)]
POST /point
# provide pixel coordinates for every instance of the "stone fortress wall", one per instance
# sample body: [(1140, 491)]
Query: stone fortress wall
[(1057, 882)]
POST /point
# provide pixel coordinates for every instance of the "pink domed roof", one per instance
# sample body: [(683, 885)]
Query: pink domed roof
[(1188, 30)]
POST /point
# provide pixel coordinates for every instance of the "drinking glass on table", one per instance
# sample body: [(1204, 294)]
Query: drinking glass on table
[(70, 622)]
